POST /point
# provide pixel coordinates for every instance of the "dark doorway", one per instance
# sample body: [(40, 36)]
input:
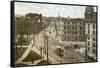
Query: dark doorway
[(76, 46)]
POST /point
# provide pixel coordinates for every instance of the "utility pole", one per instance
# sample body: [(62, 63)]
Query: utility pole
[(45, 42), (86, 56), (47, 49), (41, 52), (46, 46)]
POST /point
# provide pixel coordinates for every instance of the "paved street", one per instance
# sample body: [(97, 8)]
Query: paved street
[(70, 55)]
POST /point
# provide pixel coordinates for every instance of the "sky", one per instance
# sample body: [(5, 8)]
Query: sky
[(22, 8)]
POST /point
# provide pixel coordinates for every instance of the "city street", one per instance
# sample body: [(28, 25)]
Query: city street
[(55, 37), (70, 54)]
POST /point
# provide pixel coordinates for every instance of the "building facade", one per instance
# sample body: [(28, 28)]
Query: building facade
[(90, 31), (77, 30), (71, 30), (35, 20), (28, 26)]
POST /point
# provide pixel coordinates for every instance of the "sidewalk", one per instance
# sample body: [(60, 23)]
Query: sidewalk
[(26, 52), (39, 38)]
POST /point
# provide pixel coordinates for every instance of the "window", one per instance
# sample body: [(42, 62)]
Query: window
[(75, 33), (64, 32), (72, 28), (88, 43), (94, 39), (80, 28), (88, 31), (93, 32), (94, 51), (88, 49), (93, 44), (64, 27), (94, 26), (76, 28), (68, 22), (88, 37)]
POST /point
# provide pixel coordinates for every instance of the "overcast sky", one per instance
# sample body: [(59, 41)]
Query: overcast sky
[(21, 8)]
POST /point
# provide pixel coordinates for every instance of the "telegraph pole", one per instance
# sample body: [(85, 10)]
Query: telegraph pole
[(86, 56), (47, 49), (46, 46)]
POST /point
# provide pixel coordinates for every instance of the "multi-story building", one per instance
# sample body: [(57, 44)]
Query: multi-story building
[(90, 31), (71, 30), (27, 26), (76, 31), (36, 21)]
